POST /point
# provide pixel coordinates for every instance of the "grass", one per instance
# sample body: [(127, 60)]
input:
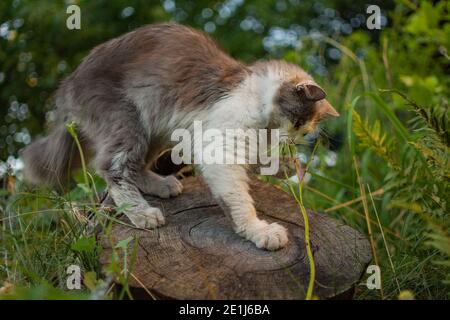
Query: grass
[(44, 232), (298, 196)]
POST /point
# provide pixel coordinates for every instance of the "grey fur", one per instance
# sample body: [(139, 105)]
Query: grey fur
[(48, 159)]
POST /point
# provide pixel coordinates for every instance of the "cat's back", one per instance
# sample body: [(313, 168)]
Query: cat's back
[(167, 55), (185, 66), (167, 47)]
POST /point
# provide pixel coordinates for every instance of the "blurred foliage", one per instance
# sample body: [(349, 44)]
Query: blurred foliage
[(395, 93), (391, 87)]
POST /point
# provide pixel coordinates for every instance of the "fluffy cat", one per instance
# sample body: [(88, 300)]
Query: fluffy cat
[(131, 92)]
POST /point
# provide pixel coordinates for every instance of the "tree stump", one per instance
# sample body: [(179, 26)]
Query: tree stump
[(197, 255)]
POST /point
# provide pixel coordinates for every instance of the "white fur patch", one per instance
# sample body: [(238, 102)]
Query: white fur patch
[(249, 106)]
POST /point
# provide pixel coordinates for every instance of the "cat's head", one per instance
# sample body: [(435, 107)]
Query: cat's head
[(301, 106)]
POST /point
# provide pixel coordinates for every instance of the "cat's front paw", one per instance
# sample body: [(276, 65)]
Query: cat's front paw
[(169, 187), (150, 218), (267, 236)]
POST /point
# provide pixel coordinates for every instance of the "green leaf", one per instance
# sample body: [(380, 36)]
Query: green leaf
[(84, 244), (84, 187), (123, 244)]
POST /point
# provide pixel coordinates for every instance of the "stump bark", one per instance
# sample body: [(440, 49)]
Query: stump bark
[(197, 255)]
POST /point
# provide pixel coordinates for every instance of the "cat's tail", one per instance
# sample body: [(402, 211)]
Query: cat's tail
[(47, 160)]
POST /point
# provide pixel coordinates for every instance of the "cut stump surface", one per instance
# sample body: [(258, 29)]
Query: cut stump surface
[(197, 255)]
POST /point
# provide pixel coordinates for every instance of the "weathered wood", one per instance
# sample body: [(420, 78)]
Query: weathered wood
[(197, 255)]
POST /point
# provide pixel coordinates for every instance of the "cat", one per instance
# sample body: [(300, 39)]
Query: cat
[(130, 93)]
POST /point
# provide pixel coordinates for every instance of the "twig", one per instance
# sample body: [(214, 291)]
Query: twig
[(366, 212), (350, 202), (384, 239)]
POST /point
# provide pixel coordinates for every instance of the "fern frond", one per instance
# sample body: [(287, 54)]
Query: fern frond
[(436, 118), (439, 239), (433, 139), (374, 139)]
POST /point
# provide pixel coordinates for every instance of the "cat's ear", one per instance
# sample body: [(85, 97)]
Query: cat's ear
[(311, 91)]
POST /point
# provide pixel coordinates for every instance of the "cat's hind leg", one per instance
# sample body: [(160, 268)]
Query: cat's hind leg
[(164, 187), (140, 213), (121, 160)]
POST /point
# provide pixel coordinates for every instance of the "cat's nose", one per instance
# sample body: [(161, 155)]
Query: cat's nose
[(326, 110)]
